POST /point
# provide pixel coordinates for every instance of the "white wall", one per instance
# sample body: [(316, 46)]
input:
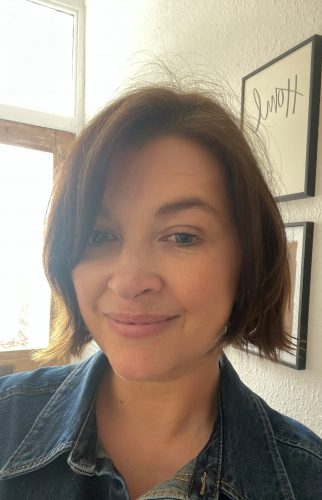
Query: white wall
[(225, 39)]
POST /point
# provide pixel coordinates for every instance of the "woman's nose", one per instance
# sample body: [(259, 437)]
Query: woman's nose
[(134, 277)]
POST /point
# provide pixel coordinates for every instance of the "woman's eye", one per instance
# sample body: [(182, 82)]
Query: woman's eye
[(100, 236), (183, 238)]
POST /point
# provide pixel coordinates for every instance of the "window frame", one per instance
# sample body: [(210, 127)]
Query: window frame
[(57, 142), (59, 122)]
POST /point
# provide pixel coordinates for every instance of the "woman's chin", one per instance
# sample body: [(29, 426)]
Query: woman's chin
[(134, 363)]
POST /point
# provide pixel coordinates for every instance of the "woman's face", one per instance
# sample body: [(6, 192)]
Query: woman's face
[(157, 281)]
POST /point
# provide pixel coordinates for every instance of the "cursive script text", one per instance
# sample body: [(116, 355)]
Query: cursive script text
[(281, 98)]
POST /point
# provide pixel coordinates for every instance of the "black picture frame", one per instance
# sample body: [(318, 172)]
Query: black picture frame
[(300, 233), (281, 101), (300, 243)]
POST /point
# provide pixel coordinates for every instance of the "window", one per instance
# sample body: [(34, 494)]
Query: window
[(41, 62), (29, 156), (41, 108), (25, 183)]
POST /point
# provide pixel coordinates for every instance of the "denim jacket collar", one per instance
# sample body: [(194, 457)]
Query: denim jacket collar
[(57, 427), (242, 424), (247, 428)]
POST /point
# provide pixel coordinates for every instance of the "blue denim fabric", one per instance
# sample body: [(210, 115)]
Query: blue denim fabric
[(48, 443)]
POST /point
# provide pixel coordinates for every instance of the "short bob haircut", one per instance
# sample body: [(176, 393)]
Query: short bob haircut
[(134, 118)]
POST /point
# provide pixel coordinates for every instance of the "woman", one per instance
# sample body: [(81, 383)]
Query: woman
[(164, 245)]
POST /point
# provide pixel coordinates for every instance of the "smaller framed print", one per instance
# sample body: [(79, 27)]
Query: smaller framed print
[(299, 248), (281, 103)]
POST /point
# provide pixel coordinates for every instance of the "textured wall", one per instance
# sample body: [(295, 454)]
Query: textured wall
[(225, 40)]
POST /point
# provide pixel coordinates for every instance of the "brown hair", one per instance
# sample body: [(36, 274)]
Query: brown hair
[(134, 118)]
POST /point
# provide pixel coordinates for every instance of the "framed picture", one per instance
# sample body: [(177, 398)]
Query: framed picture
[(299, 243), (281, 102)]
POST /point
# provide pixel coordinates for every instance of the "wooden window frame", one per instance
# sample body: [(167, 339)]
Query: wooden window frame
[(58, 143)]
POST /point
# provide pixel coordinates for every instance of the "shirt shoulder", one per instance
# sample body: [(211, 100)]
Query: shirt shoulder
[(301, 452), (265, 453), (23, 396), (41, 380), (293, 434)]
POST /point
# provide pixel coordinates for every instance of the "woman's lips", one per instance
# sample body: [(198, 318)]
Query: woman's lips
[(137, 326)]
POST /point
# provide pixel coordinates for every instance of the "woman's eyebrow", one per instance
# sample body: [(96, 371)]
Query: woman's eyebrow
[(183, 204), (172, 208)]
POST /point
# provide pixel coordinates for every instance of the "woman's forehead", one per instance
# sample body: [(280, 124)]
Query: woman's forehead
[(165, 164), (164, 176)]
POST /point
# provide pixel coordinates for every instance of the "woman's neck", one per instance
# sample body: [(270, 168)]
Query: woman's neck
[(166, 410)]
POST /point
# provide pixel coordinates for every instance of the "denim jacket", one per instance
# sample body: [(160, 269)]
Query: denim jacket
[(48, 443)]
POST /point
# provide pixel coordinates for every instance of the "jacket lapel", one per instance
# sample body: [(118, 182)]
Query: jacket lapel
[(252, 467)]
